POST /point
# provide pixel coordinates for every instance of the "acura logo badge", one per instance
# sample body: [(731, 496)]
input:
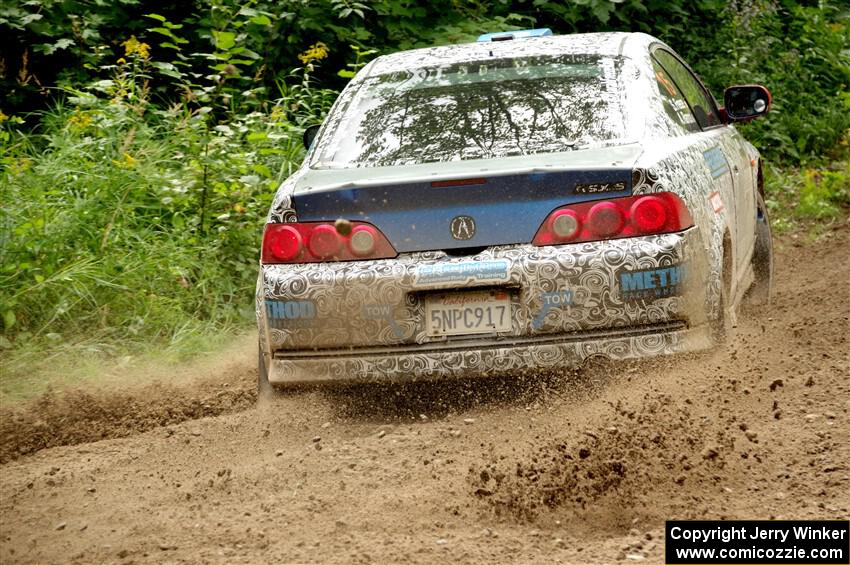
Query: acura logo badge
[(462, 227)]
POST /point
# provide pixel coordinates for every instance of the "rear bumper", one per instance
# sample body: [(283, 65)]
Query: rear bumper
[(479, 359), (627, 298)]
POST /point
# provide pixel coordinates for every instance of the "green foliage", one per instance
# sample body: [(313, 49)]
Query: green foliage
[(131, 220), (815, 195), (802, 54), (231, 53), (361, 56), (824, 192), (48, 42)]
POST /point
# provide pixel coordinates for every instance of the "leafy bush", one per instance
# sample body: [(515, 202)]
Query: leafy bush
[(236, 50), (824, 191), (126, 219), (802, 54), (816, 195)]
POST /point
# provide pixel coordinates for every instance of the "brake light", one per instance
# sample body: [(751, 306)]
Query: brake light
[(324, 242), (286, 246), (661, 212), (458, 182), (605, 220), (313, 242), (649, 214)]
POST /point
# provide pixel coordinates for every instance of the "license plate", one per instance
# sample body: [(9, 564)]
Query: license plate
[(463, 313)]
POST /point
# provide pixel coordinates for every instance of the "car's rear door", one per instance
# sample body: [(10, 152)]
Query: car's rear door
[(724, 154)]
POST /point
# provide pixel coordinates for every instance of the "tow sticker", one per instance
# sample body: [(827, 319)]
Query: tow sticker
[(383, 312), (552, 300)]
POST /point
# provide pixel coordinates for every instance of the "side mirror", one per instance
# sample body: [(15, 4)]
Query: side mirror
[(746, 102), (310, 135)]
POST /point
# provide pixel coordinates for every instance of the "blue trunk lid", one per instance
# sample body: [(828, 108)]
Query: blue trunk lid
[(506, 203)]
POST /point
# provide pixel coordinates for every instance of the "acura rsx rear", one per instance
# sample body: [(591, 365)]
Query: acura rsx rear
[(513, 206)]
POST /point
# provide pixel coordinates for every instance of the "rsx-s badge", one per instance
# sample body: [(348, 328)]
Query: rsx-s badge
[(462, 227)]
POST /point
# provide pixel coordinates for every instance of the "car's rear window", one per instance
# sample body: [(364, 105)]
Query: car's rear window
[(475, 110)]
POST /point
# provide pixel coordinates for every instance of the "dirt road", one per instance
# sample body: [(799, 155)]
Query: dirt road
[(543, 471)]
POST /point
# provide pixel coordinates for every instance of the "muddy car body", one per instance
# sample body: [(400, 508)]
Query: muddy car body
[(510, 206)]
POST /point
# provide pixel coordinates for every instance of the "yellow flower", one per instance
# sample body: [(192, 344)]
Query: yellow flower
[(128, 162), (135, 47), (17, 167), (79, 120), (121, 61), (316, 52), (278, 114), (3, 117)]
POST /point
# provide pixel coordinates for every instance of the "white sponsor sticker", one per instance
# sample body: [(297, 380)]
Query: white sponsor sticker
[(716, 201), (461, 273)]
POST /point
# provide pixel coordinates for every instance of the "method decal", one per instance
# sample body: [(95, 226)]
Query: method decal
[(462, 273), (650, 284), (552, 300), (290, 313)]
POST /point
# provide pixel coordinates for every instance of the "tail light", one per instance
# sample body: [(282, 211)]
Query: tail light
[(313, 242), (661, 212)]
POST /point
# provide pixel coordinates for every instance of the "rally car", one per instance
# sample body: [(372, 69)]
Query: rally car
[(519, 204)]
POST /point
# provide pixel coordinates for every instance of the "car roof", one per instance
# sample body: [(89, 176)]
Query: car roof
[(608, 44)]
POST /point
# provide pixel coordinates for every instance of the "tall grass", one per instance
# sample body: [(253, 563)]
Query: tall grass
[(129, 222)]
